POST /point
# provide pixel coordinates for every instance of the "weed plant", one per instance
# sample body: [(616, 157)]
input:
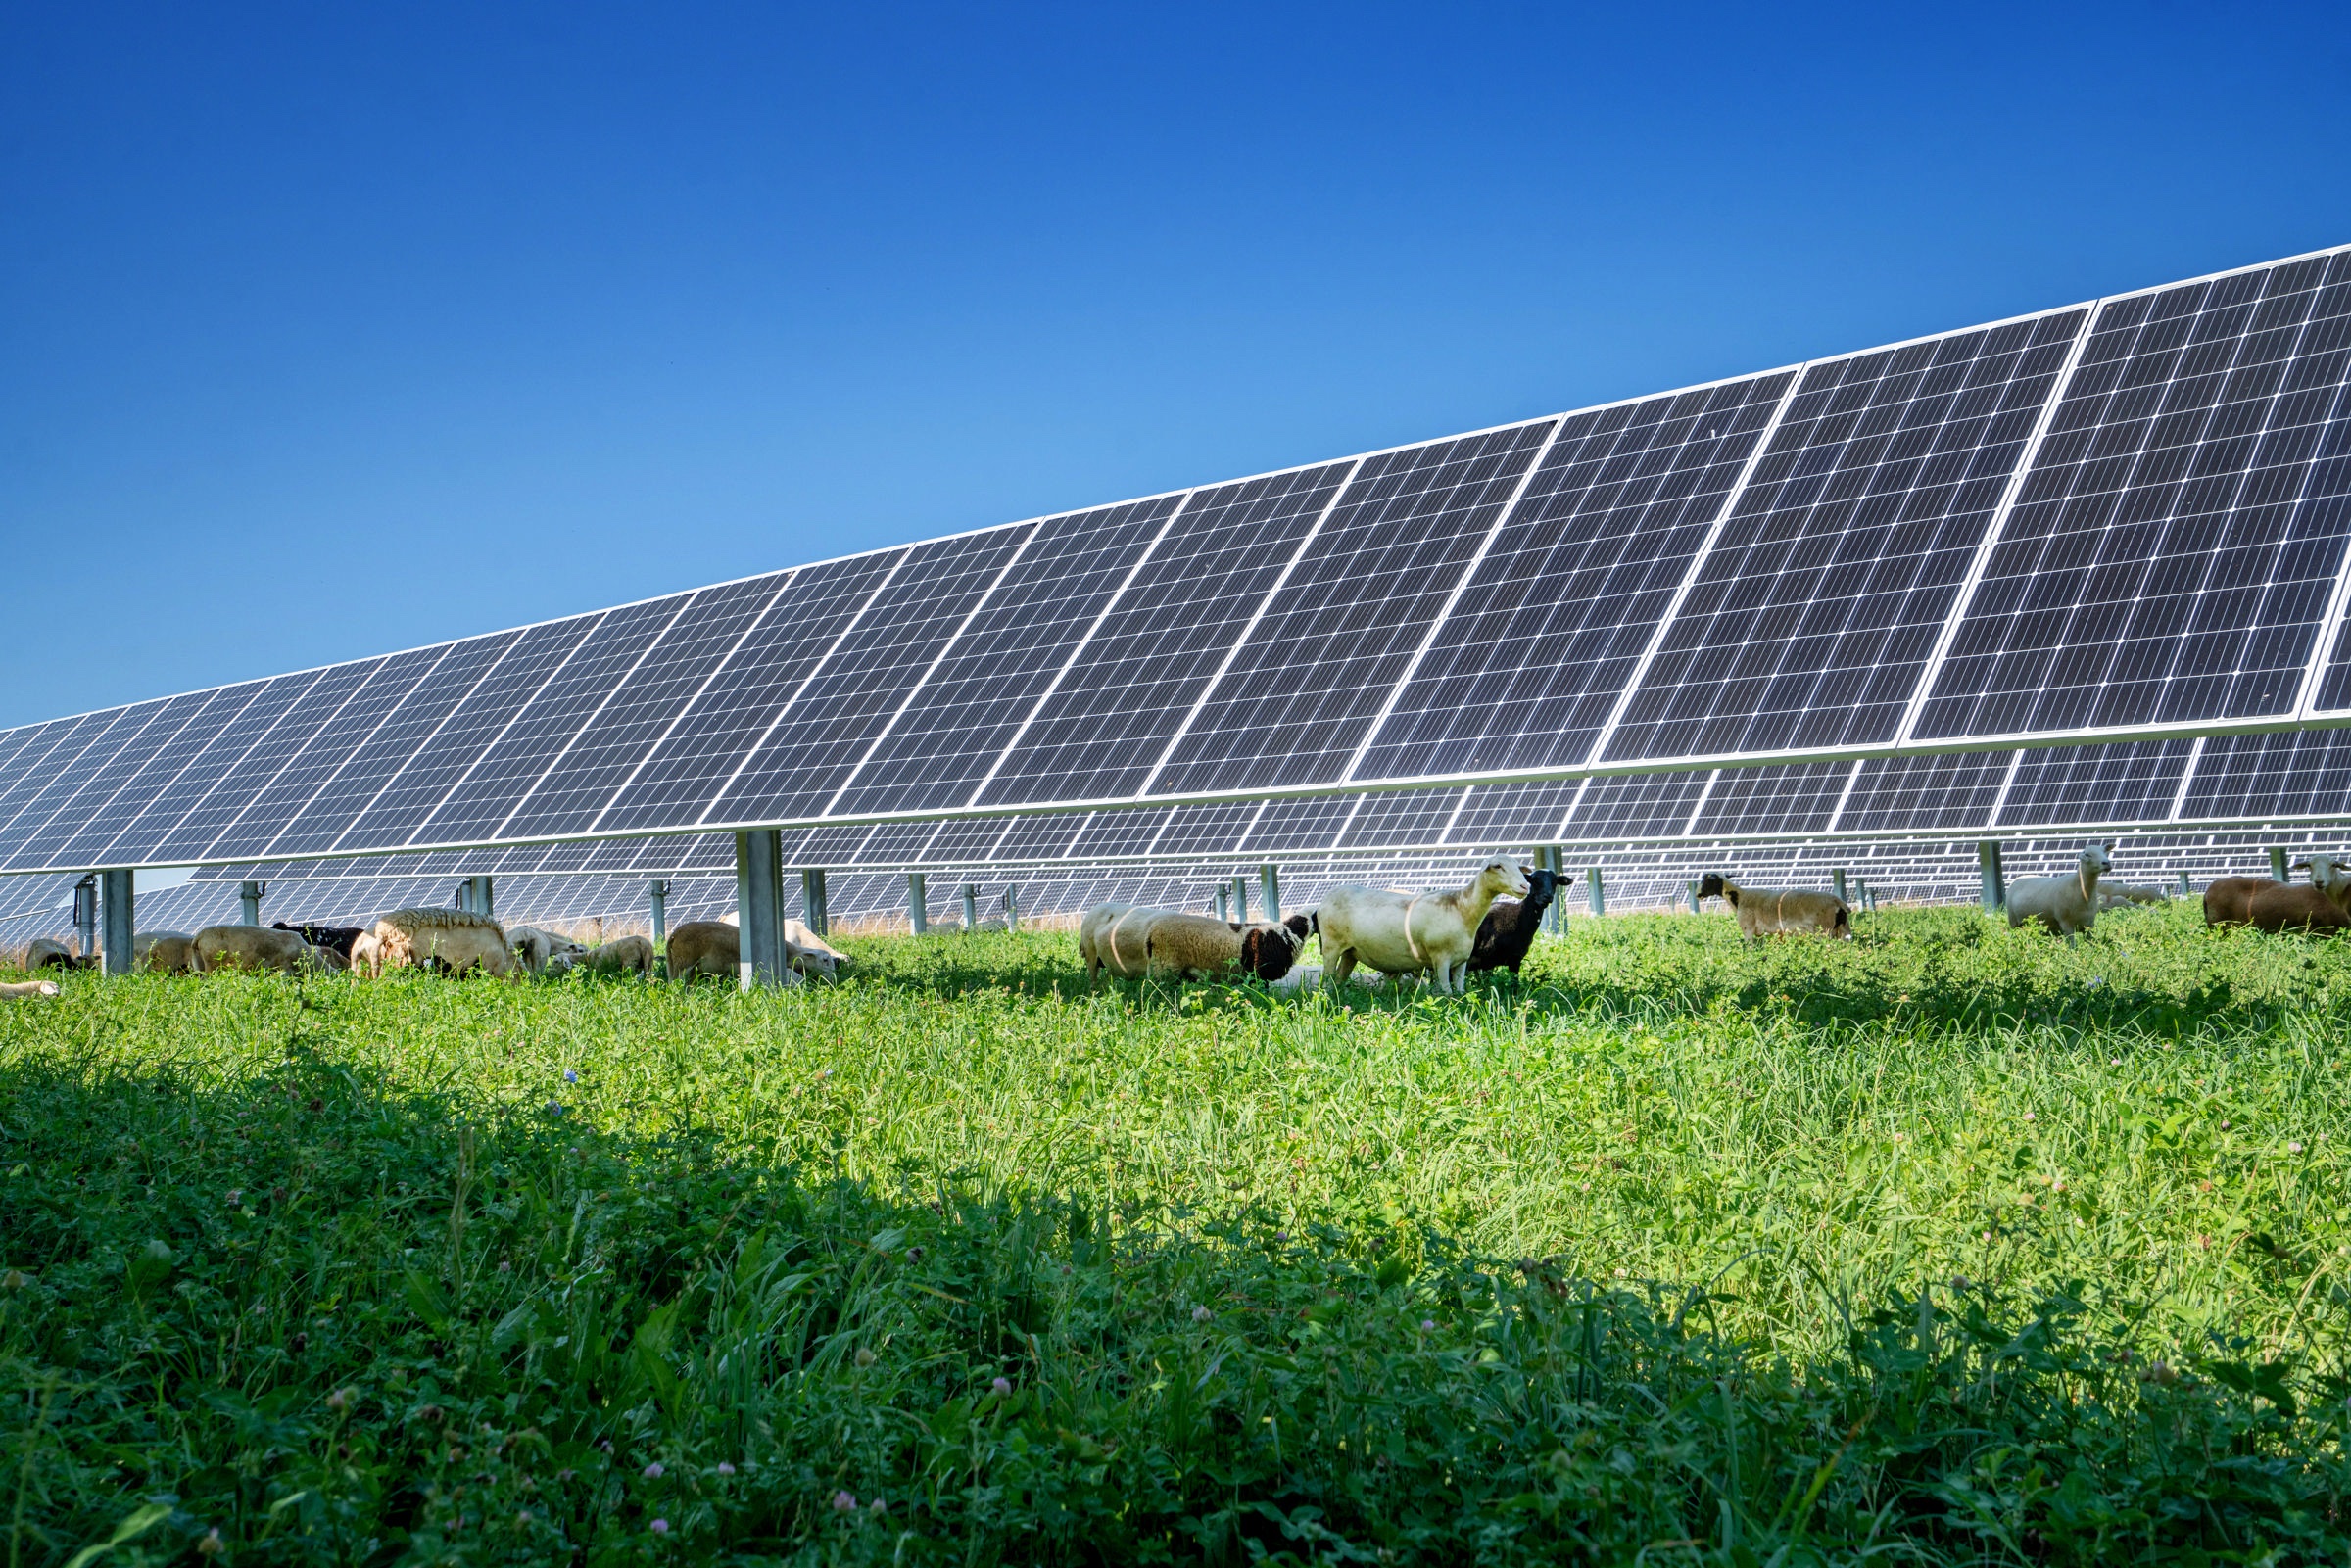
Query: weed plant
[(1949, 1244)]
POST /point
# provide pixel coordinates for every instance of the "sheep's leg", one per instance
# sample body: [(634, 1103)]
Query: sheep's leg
[(1337, 967)]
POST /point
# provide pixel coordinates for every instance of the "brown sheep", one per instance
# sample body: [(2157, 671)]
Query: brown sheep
[(257, 947), (2280, 906), (620, 956), (163, 952), (2229, 901)]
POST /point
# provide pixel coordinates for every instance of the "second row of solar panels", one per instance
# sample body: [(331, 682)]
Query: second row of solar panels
[(1757, 567)]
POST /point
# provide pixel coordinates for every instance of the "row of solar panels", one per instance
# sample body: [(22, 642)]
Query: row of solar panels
[(1634, 880), (2125, 518), (2226, 780)]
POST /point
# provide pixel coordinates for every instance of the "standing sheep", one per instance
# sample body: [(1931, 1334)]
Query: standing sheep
[(1412, 933), (2064, 904), (454, 939), (1774, 912), (1197, 947), (1509, 928)]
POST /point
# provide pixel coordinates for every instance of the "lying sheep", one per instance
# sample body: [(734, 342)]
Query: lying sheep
[(452, 939), (2295, 907), (536, 948), (163, 952), (1776, 912), (48, 953), (2123, 895), (28, 989), (2229, 901), (714, 947), (620, 956), (1412, 933), (1509, 928), (2064, 904), (257, 947), (1199, 947)]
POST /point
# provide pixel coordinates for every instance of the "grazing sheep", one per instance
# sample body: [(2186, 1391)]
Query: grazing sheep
[(338, 937), (2120, 895), (29, 988), (1197, 947), (257, 947), (1776, 912), (2064, 904), (2229, 901), (452, 939), (1509, 928), (163, 952), (1097, 921), (810, 953), (1117, 938), (48, 953), (1412, 933), (2296, 907), (621, 955), (714, 947), (535, 947)]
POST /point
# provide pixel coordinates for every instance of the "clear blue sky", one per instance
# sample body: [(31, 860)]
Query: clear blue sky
[(323, 334)]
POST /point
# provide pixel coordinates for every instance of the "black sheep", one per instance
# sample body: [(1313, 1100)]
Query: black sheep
[(338, 937), (1509, 928)]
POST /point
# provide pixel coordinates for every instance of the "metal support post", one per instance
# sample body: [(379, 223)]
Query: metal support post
[(1269, 892), (918, 903), (759, 909), (114, 916), (478, 897), (1223, 902), (971, 906), (1012, 909), (2185, 890), (1995, 885), (657, 896), (1599, 897), (249, 902), (1693, 887), (1240, 899), (85, 915), (1837, 881), (1554, 858), (2277, 871), (813, 912)]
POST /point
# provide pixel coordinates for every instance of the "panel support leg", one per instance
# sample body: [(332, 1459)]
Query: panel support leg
[(1599, 895), (115, 917), (249, 902), (971, 907), (1692, 886), (2277, 871), (814, 915), (1240, 899), (1223, 902), (479, 897), (759, 909), (1269, 892), (1554, 858), (1994, 884), (918, 903), (1837, 882), (657, 896), (2185, 890), (1012, 909), (85, 916)]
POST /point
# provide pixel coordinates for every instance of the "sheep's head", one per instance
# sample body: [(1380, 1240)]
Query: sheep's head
[(2328, 875), (1542, 886), (1269, 951), (1301, 926), (1503, 876), (1712, 885), (2097, 857)]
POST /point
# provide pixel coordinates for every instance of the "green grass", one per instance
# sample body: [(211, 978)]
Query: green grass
[(1949, 1244)]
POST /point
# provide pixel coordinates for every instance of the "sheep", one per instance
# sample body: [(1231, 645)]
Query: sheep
[(29, 988), (2328, 877), (714, 947), (1117, 938), (2122, 895), (163, 952), (535, 947), (1197, 947), (47, 953), (621, 955), (1776, 912), (454, 939), (2229, 901), (1412, 933), (338, 937), (1509, 929), (2064, 904), (810, 953), (2295, 907), (257, 947)]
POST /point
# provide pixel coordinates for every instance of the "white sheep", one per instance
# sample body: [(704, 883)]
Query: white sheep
[(1412, 933), (1773, 911), (1197, 947), (1117, 938), (2064, 904)]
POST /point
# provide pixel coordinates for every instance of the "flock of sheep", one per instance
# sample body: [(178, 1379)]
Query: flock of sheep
[(1445, 936)]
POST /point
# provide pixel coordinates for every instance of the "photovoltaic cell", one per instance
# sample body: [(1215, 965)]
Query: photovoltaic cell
[(1318, 666), (164, 769), (1638, 805), (1205, 829), (948, 736), (2171, 552), (2133, 782), (1530, 662), (1898, 794), (1310, 823), (581, 782), (966, 841), (1106, 725), (1514, 815), (29, 801), (58, 814), (183, 801), (507, 671), (1810, 620), (749, 692), (1400, 817), (557, 716), (1773, 800), (2297, 774), (842, 712), (1109, 834), (905, 840), (1037, 837)]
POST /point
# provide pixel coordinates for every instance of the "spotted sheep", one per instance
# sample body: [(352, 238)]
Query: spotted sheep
[(1778, 912)]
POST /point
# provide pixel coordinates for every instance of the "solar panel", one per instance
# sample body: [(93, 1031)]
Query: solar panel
[(1514, 814), (66, 812), (2290, 775), (1773, 800), (1400, 817), (1901, 794), (2129, 783), (2180, 536)]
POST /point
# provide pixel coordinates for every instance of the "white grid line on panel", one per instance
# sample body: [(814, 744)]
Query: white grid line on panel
[(513, 719), (1998, 522), (255, 797), (427, 738), (987, 597), (1698, 563), (389, 714), (1459, 806), (2188, 777), (1573, 806), (1461, 586), (42, 788), (292, 705), (259, 687), (132, 775), (1705, 793), (1117, 598), (1999, 802), (1209, 687), (525, 791), (2331, 620), (815, 669), (1852, 778), (687, 707)]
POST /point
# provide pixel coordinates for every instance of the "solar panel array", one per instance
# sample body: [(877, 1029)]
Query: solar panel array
[(2126, 520)]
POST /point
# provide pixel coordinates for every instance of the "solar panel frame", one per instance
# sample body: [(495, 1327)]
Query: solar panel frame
[(57, 815)]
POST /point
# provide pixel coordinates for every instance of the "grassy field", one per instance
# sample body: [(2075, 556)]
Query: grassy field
[(1949, 1244)]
